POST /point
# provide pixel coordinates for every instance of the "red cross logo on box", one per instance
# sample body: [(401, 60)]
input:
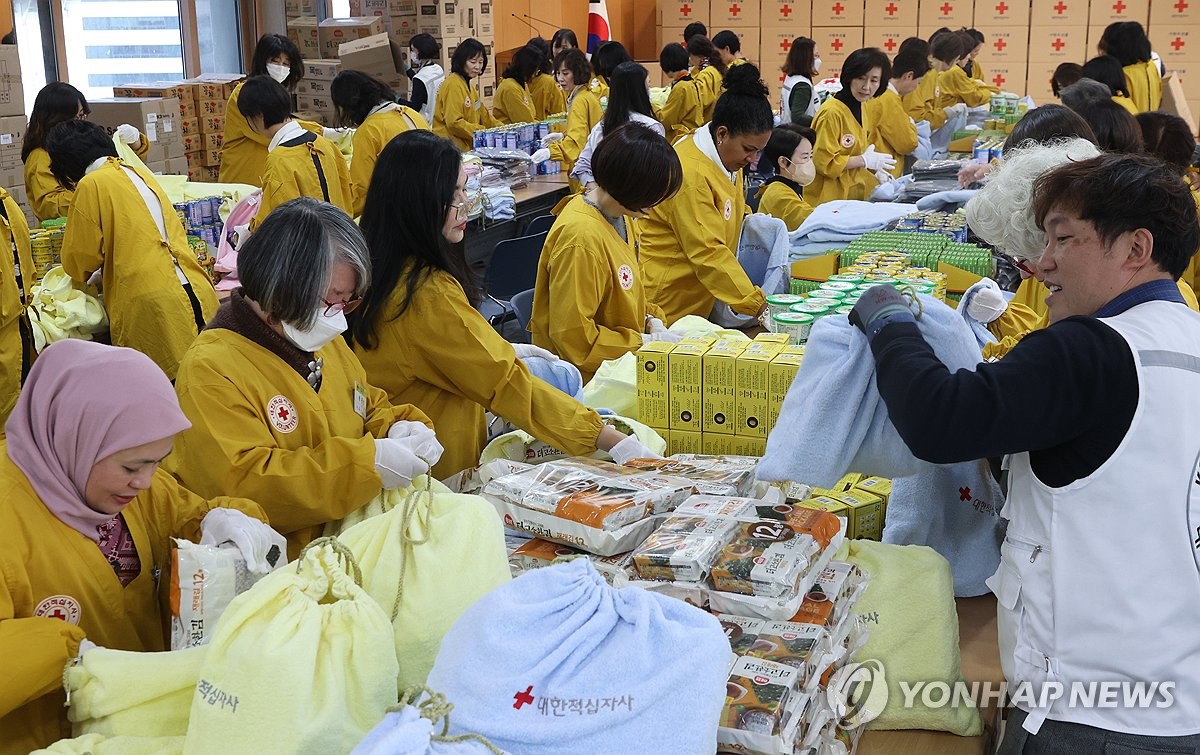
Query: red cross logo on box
[(1002, 8), (1058, 44), (1181, 6), (1178, 44), (1119, 6), (946, 9), (890, 44), (1061, 8), (685, 10), (786, 11), (837, 45), (1000, 44), (838, 8), (891, 9), (785, 44), (999, 80), (735, 9)]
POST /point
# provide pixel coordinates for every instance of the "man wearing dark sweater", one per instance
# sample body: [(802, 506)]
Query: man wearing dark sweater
[(1101, 411)]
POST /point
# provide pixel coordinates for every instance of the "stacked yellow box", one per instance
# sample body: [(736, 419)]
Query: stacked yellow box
[(862, 500)]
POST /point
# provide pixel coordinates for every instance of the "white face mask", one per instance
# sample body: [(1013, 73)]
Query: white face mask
[(816, 65), (324, 330), (413, 59), (278, 72)]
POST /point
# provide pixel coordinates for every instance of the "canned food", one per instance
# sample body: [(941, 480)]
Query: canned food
[(797, 326)]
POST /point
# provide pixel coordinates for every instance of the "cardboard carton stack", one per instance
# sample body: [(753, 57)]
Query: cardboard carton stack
[(313, 100), (158, 118), (302, 26), (212, 93), (1174, 28), (12, 127)]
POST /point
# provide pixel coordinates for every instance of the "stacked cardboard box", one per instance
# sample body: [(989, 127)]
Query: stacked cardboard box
[(12, 172), (158, 118), (313, 100), (1175, 32), (302, 26)]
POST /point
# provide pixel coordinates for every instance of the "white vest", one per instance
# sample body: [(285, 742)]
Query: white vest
[(785, 109), (432, 77), (1099, 581)]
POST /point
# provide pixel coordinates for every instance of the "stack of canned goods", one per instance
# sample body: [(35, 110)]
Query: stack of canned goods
[(45, 245), (201, 219), (521, 137)]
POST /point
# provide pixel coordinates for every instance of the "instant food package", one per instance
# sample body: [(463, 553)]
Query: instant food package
[(204, 579), (713, 475)]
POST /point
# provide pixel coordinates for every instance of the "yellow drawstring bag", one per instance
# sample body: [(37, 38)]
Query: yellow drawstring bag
[(98, 744), (126, 693), (380, 504), (303, 662), (427, 560)]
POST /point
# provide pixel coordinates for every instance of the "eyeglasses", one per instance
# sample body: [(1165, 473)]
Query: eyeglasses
[(345, 307), (1022, 264), (466, 208)]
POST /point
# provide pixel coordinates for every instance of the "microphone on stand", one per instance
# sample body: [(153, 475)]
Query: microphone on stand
[(531, 26)]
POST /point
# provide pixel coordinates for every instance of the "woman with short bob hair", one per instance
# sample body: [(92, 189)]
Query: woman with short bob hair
[(589, 304), (282, 410), (418, 333), (1127, 42), (459, 111)]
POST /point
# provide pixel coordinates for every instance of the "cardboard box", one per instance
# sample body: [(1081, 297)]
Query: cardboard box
[(176, 166), (774, 47), (1037, 82), (683, 12), (880, 487), (481, 19), (779, 378), (204, 174), (838, 13), (728, 14), (213, 141), (294, 8), (334, 32), (990, 13), (665, 35), (892, 13), (887, 38), (1174, 12), (1008, 75), (402, 7), (376, 55), (751, 40), (786, 15), (315, 104), (1059, 13), (866, 514), (12, 92), (1004, 44), (1053, 44), (830, 505), (180, 91), (653, 384), (216, 86), (193, 143), (212, 124), (747, 446), (13, 179), (835, 44), (934, 14), (1104, 12), (401, 29), (720, 386), (718, 444), (1177, 43), (441, 19), (321, 69), (686, 365), (314, 87), (684, 442), (155, 117), (206, 108), (321, 119), (305, 34), (12, 135), (189, 126), (753, 383), (363, 8)]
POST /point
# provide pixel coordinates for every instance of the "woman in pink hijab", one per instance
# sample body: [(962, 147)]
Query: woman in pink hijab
[(86, 519)]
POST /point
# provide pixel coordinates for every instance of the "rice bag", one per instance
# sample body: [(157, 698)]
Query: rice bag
[(763, 707), (712, 475), (683, 548), (765, 558), (204, 579)]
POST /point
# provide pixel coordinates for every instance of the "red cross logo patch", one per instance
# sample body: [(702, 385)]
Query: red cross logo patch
[(625, 276), (523, 698), (281, 413), (62, 607)]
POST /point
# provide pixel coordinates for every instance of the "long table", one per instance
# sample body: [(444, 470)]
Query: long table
[(536, 198)]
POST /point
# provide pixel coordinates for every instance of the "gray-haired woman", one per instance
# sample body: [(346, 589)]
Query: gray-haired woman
[(280, 407)]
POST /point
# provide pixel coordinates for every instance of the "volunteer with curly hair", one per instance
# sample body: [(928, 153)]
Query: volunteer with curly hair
[(419, 335), (369, 106), (848, 167), (88, 521), (589, 304), (689, 242), (460, 111)]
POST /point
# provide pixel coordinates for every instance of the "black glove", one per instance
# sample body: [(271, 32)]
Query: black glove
[(877, 304)]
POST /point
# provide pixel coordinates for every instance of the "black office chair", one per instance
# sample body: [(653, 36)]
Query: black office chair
[(522, 305), (513, 266), (540, 224)]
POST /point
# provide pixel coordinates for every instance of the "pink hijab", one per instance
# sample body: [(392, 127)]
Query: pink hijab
[(83, 402)]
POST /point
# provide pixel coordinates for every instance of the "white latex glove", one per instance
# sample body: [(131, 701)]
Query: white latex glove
[(876, 161), (422, 441), (882, 176), (96, 278), (667, 336), (987, 303), (85, 645), (129, 134), (396, 463), (552, 137), (529, 350), (541, 156), (629, 449), (958, 108), (333, 133), (655, 325), (262, 547)]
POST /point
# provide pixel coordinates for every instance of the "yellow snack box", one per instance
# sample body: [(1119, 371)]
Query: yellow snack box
[(772, 338), (686, 400), (718, 444), (653, 384), (746, 445), (829, 505), (719, 400), (780, 375), (866, 514), (880, 486), (684, 442), (753, 381)]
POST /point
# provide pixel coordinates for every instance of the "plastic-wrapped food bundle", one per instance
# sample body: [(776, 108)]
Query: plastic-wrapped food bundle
[(713, 475), (204, 579), (764, 707), (683, 548), (765, 558)]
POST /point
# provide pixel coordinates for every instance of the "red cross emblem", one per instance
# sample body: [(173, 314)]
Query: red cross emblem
[(1178, 44), (838, 8), (1119, 6), (735, 9), (625, 276), (946, 9), (523, 698), (890, 44), (837, 45), (1000, 44), (1002, 8), (1061, 7), (1058, 44), (1181, 6), (999, 80), (786, 11), (785, 44), (282, 414), (685, 9), (891, 9), (964, 494)]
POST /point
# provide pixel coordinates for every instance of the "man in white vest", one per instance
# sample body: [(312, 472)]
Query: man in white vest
[(1098, 588)]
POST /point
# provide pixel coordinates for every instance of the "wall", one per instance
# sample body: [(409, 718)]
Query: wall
[(632, 23)]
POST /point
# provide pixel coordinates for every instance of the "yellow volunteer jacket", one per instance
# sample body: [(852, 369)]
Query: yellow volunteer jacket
[(682, 113), (839, 137), (244, 151), (548, 97), (599, 87), (290, 173), (1144, 85), (1191, 275), (977, 72), (778, 198), (709, 79), (890, 128), (957, 87), (459, 112), (582, 116), (58, 589), (260, 431), (47, 197), (589, 304), (443, 357), (14, 347), (922, 103), (1126, 103), (689, 242), (109, 227), (513, 103), (369, 140)]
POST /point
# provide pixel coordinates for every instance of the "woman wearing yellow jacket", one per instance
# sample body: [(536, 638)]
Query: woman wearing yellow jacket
[(369, 106), (513, 101), (55, 103), (459, 112), (583, 111), (589, 304), (848, 167), (888, 127), (1127, 42), (605, 60), (283, 412), (956, 86), (922, 103), (155, 292), (548, 97), (420, 338), (17, 277), (299, 162), (244, 151), (88, 521), (790, 154), (708, 70), (682, 113), (689, 242)]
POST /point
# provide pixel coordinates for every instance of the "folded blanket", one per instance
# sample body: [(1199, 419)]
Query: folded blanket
[(946, 200), (763, 254), (847, 218)]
